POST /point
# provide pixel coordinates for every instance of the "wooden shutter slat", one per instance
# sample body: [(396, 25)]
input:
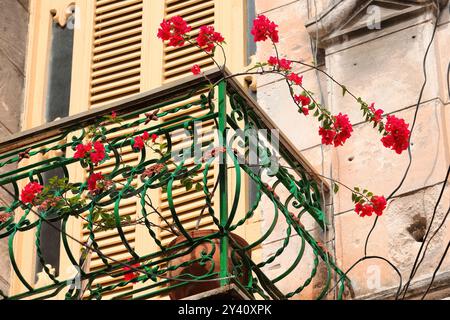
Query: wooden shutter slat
[(119, 28), (113, 85), (186, 59), (118, 52), (120, 19), (185, 68), (114, 93), (187, 11), (119, 35), (103, 8), (114, 76), (112, 70), (118, 13), (182, 4), (117, 44), (126, 57)]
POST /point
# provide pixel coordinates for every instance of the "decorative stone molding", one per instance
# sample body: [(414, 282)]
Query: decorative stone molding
[(62, 11), (353, 16), (251, 80)]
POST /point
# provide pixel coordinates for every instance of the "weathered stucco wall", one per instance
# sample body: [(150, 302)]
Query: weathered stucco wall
[(13, 38), (382, 66)]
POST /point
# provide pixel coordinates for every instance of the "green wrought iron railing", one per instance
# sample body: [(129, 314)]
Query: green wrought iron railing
[(289, 196)]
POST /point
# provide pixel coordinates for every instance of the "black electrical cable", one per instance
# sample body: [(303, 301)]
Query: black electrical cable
[(372, 258), (424, 67), (448, 80), (436, 271), (417, 264)]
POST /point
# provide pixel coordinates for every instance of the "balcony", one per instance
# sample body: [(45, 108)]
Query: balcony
[(254, 189)]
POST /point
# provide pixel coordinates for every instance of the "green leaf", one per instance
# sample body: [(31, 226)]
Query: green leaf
[(95, 216), (316, 114), (198, 187), (336, 188), (188, 185)]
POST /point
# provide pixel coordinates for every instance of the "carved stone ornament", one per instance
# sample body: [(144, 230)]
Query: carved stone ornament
[(62, 11), (352, 16)]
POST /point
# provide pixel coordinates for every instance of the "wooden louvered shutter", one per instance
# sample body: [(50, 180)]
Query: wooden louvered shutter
[(116, 66), (177, 63), (115, 74)]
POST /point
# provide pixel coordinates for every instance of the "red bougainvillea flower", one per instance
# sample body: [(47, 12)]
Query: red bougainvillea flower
[(94, 182), (208, 37), (273, 61), (302, 100), (305, 111), (30, 192), (397, 137), (264, 29), (377, 205), (82, 150), (327, 135), (283, 64), (130, 276), (174, 30), (196, 69), (343, 129), (154, 137), (99, 152), (377, 113), (113, 115), (96, 152), (139, 141), (363, 210), (295, 78)]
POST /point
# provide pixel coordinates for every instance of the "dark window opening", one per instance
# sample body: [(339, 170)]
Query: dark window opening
[(60, 73), (57, 106)]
